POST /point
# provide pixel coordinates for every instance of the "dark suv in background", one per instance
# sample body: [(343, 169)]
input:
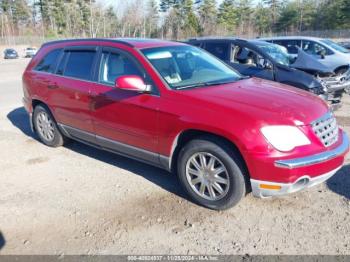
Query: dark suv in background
[(269, 61)]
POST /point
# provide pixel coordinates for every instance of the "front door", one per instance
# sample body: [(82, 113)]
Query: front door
[(249, 63), (124, 121)]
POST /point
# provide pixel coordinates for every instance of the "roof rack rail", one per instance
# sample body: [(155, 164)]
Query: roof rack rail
[(117, 40)]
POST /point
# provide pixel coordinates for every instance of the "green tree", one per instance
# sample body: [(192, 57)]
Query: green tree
[(274, 8), (59, 16), (227, 15), (181, 17), (262, 21), (152, 18), (244, 9), (289, 17), (207, 16)]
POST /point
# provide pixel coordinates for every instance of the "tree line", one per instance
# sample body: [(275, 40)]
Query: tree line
[(172, 19)]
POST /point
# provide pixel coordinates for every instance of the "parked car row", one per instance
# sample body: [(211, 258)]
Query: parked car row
[(345, 44), (11, 53), (177, 107), (316, 65)]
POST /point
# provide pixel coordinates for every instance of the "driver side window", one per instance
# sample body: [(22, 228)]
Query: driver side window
[(248, 57), (114, 65)]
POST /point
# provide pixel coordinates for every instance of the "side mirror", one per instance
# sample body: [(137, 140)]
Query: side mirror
[(322, 54), (132, 83), (268, 65)]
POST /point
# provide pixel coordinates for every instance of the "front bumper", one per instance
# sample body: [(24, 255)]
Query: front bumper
[(284, 189), (308, 171)]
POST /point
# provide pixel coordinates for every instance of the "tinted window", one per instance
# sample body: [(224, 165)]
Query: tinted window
[(245, 56), (114, 65), (198, 44), (291, 45), (62, 64), (48, 63), (80, 64), (220, 50)]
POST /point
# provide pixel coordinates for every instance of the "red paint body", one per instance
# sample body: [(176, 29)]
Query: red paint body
[(235, 111)]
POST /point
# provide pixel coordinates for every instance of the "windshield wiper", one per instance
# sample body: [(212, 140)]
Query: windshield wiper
[(225, 82), (213, 83), (191, 86)]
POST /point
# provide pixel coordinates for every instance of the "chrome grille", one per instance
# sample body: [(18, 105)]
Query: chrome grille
[(326, 129)]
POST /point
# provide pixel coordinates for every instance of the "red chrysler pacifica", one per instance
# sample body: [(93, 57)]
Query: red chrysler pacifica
[(179, 108)]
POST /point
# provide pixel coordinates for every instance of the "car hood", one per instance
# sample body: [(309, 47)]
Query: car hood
[(267, 101), (329, 64)]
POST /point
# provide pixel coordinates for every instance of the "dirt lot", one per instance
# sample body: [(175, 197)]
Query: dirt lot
[(79, 200)]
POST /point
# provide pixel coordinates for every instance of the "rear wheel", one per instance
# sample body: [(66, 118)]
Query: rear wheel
[(211, 173), (46, 128)]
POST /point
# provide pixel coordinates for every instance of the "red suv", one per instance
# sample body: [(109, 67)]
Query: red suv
[(179, 108)]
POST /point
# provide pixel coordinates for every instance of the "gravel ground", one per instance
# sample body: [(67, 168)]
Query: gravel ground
[(79, 200)]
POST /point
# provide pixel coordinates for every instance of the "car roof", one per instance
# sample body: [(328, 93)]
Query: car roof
[(290, 38), (139, 43), (216, 38)]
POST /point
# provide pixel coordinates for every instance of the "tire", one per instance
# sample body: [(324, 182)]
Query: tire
[(234, 189), (46, 127)]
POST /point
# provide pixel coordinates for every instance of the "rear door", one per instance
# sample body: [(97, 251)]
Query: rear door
[(71, 86)]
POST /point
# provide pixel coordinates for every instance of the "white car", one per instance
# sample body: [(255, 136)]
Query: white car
[(30, 51)]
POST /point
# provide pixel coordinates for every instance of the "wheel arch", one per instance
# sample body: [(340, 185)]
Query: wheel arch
[(187, 135), (35, 103)]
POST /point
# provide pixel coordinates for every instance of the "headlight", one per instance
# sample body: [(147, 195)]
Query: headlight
[(285, 138)]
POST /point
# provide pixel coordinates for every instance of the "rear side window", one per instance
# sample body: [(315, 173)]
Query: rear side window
[(79, 64), (220, 50), (291, 45), (48, 63)]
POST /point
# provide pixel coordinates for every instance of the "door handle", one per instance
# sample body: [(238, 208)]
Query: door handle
[(54, 86)]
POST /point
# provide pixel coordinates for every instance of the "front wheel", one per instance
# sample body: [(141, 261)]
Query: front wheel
[(212, 173)]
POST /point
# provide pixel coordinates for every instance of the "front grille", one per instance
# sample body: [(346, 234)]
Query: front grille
[(337, 82), (326, 129)]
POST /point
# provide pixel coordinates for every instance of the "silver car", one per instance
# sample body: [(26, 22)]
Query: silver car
[(30, 51), (330, 54)]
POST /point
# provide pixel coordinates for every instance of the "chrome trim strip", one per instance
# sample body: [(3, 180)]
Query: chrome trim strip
[(325, 117), (116, 147), (315, 159)]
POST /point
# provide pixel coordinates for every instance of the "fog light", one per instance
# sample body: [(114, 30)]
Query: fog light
[(272, 187)]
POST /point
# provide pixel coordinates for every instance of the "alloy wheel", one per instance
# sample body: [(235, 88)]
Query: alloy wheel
[(207, 176), (45, 126)]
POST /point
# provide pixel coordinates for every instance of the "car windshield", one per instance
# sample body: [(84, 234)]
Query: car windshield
[(10, 51), (277, 52), (335, 46), (187, 66)]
